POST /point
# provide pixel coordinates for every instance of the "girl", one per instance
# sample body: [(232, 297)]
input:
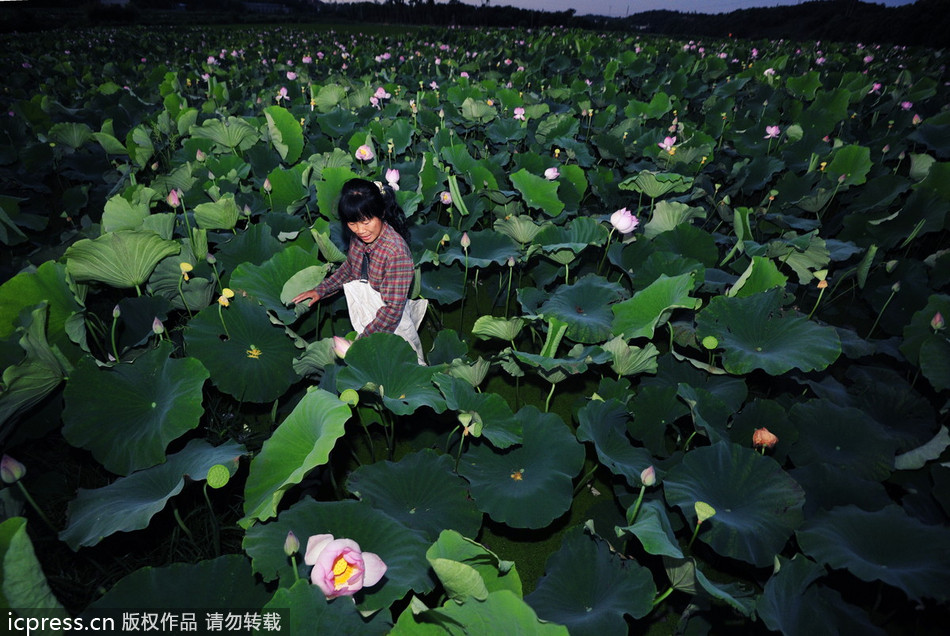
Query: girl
[(377, 236)]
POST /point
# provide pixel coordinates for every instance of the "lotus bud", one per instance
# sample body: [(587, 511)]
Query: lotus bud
[(116, 312), (896, 287), (341, 346), (551, 174), (291, 544), (11, 471), (267, 185), (210, 258), (937, 323), (157, 327), (173, 198), (890, 266), (762, 437), (511, 261), (200, 156), (648, 476), (465, 242)]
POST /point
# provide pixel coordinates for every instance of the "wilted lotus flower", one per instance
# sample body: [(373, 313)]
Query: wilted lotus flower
[(341, 346), (185, 267), (763, 438), (624, 221), (340, 567), (225, 298), (446, 198), (364, 153), (11, 471), (551, 174)]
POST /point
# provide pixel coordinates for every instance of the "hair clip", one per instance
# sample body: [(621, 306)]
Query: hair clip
[(379, 184)]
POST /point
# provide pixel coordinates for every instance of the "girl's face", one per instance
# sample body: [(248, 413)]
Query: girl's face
[(367, 230)]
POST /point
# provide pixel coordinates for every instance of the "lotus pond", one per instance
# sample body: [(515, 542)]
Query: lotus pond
[(688, 366)]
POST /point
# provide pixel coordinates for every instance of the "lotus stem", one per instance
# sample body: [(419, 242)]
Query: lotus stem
[(659, 599), (547, 402), (448, 440), (181, 524), (636, 507), (293, 563), (464, 290), (511, 272), (215, 531), (894, 289), (458, 454), (369, 437), (115, 348), (606, 247), (817, 302), (221, 316), (182, 296), (580, 484), (39, 511)]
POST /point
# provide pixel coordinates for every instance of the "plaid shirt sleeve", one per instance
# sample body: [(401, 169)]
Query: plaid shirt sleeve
[(390, 273), (346, 272)]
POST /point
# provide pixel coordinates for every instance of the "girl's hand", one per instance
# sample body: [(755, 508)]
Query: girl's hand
[(310, 295)]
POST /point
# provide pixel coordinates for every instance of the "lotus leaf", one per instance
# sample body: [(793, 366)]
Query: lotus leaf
[(650, 308), (23, 585), (604, 423), (305, 610), (758, 506), (121, 259)]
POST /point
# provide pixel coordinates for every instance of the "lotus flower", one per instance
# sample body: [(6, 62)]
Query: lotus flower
[(551, 174), (341, 346), (291, 75), (937, 322), (648, 476), (174, 199), (772, 132), (364, 153), (340, 567), (762, 437), (667, 144), (392, 178), (624, 221), (446, 198), (519, 114)]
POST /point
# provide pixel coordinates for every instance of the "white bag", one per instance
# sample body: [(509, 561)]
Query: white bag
[(363, 302)]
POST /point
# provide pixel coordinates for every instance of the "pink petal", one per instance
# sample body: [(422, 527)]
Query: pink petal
[(373, 569), (316, 545)]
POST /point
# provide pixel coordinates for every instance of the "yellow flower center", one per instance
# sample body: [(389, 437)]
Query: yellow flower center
[(254, 353), (518, 475), (342, 571)]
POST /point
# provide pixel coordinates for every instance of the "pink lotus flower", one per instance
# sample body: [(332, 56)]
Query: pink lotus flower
[(648, 476), (281, 94), (519, 114), (667, 144), (769, 72), (364, 153), (446, 198), (916, 119), (907, 105), (200, 156), (267, 185), (463, 74), (875, 88), (306, 59), (381, 93), (173, 198), (341, 346), (624, 221), (392, 178), (772, 132), (340, 567), (551, 174), (291, 75)]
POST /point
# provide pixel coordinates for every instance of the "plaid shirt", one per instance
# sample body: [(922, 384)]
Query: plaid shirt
[(390, 273)]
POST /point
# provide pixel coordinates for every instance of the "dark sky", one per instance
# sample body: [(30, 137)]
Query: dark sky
[(619, 8)]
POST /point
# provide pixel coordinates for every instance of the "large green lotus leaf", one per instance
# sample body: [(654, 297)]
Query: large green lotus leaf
[(935, 363), (397, 377), (329, 188), (654, 530), (520, 228), (843, 437), (487, 247), (585, 306), (498, 424), (252, 360), (590, 589), (300, 443), (668, 215), (655, 410), (530, 485), (287, 193), (493, 573), (48, 283), (233, 133), (186, 586), (656, 184), (401, 549), (753, 334), (444, 285), (196, 292), (130, 502), (121, 259), (690, 242), (285, 133), (265, 282), (538, 192), (127, 210), (927, 347), (23, 585), (72, 134), (579, 233), (851, 162), (761, 275), (578, 359), (604, 423), (628, 360), (305, 611), (222, 214), (793, 604), (502, 612), (885, 545), (127, 414), (492, 326), (650, 308), (420, 491), (255, 245), (758, 505)]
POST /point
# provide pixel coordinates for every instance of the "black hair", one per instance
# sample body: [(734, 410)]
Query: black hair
[(361, 200)]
